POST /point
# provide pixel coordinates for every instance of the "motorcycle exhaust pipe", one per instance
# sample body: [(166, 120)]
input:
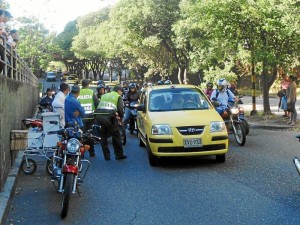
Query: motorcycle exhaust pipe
[(297, 164)]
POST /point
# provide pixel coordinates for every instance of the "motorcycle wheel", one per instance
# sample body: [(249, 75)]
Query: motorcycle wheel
[(49, 166), (66, 194), (123, 135), (246, 126), (239, 133), (297, 164), (30, 168)]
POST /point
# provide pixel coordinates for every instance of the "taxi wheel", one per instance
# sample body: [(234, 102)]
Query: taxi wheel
[(141, 143), (153, 160), (220, 158)]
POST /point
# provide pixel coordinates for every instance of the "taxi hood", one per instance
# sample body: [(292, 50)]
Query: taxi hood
[(185, 118)]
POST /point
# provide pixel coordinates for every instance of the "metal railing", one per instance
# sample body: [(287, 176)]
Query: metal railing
[(13, 66)]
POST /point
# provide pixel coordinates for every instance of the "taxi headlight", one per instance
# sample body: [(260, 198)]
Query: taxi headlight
[(73, 146), (217, 127), (161, 129)]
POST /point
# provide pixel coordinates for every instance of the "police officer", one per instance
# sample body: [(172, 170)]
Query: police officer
[(108, 114), (89, 102)]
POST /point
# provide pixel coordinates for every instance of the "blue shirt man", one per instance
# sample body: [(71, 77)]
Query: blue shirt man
[(73, 108)]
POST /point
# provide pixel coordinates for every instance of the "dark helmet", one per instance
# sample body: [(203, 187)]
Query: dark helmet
[(167, 82), (160, 82), (209, 84), (100, 86), (101, 82), (132, 85)]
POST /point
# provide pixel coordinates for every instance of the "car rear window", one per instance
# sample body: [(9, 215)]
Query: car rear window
[(176, 99)]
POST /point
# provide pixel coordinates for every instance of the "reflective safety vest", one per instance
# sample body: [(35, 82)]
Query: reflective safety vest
[(109, 102), (86, 100)]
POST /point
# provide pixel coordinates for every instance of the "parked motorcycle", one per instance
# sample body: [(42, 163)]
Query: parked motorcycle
[(42, 108), (33, 123), (133, 114), (232, 120), (66, 166)]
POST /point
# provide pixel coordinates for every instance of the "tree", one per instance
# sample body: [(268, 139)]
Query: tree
[(35, 45), (269, 28)]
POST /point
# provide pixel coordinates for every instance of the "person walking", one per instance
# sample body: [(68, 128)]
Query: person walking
[(58, 103), (73, 109), (108, 114), (284, 86), (89, 102), (291, 95)]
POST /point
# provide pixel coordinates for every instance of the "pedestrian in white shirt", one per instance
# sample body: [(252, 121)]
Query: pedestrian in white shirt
[(58, 103)]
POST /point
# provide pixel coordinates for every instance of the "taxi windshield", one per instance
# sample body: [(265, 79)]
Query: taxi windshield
[(177, 99)]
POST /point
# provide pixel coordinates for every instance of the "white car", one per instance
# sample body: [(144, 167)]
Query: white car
[(51, 76)]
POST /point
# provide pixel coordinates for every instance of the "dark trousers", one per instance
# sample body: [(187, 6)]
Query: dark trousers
[(109, 126), (87, 124)]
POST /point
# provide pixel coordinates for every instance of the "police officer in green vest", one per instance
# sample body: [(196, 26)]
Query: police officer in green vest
[(108, 114), (89, 102)]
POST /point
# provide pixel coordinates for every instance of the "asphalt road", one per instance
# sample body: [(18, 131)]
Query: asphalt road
[(258, 184)]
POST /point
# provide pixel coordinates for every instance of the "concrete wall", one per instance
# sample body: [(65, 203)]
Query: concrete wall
[(18, 100)]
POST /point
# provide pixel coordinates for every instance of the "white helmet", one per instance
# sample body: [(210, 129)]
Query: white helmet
[(221, 84)]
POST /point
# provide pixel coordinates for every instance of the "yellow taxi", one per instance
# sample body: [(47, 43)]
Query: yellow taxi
[(70, 79), (179, 120)]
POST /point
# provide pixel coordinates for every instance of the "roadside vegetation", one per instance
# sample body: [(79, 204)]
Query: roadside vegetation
[(175, 39)]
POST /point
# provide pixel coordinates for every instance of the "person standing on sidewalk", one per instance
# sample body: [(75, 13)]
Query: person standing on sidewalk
[(284, 85), (291, 95), (89, 102)]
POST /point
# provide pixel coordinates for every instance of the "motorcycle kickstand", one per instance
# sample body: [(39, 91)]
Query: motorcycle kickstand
[(78, 191)]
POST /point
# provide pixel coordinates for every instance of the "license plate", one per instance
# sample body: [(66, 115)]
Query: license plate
[(192, 143)]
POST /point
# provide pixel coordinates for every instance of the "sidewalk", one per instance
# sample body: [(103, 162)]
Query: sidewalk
[(272, 122), (9, 189)]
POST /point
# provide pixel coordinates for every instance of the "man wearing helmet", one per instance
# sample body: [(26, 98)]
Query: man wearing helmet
[(167, 82), (160, 82), (222, 94), (100, 91), (132, 96), (209, 89)]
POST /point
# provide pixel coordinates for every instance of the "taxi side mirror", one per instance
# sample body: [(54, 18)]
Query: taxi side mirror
[(141, 108)]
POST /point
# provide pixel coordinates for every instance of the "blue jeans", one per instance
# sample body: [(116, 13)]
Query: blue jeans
[(127, 115)]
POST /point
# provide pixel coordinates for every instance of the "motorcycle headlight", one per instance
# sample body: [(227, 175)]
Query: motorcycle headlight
[(217, 127), (73, 146), (161, 129), (235, 110)]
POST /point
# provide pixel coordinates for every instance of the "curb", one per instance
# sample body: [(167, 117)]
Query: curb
[(9, 189), (271, 127)]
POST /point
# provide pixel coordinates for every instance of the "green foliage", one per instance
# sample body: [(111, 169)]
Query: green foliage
[(64, 41), (35, 45)]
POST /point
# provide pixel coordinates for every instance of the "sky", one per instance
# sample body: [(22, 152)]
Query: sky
[(55, 14)]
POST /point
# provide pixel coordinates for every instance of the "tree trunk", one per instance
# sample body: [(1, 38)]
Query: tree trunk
[(265, 89)]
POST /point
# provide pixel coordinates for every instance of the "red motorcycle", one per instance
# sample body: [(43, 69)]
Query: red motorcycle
[(66, 166)]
